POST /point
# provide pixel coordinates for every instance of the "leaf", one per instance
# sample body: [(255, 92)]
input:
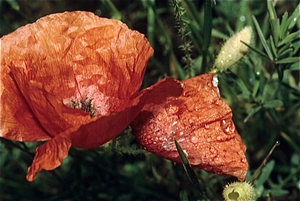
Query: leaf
[(273, 48), (284, 48), (290, 38), (283, 54), (288, 60), (207, 24), (265, 173), (251, 112), (273, 104), (271, 10), (293, 18), (262, 38), (256, 50), (186, 164), (295, 66), (283, 25), (275, 29)]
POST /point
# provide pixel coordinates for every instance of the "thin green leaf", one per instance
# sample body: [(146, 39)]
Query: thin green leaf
[(262, 38), (274, 50), (186, 164), (273, 104), (284, 48), (218, 34), (288, 60), (150, 24), (285, 52), (251, 112), (295, 66), (290, 38), (255, 88), (293, 18), (276, 192), (283, 25), (256, 50), (271, 10), (207, 24), (14, 5), (265, 173), (276, 30)]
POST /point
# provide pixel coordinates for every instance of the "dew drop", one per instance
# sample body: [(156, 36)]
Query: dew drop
[(194, 139), (181, 140), (206, 126), (242, 18), (217, 102), (215, 81), (227, 126), (185, 153)]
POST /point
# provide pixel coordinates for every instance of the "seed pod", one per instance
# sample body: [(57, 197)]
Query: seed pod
[(239, 191), (233, 49)]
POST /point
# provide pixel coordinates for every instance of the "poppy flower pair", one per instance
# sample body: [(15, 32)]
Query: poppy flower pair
[(73, 79)]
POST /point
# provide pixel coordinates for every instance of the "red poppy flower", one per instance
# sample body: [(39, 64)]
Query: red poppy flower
[(57, 62), (202, 124)]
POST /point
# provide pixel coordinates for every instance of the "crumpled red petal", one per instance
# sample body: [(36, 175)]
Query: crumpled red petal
[(67, 56), (99, 131), (63, 56), (49, 155), (202, 124)]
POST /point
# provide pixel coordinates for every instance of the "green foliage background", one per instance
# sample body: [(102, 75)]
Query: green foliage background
[(262, 90)]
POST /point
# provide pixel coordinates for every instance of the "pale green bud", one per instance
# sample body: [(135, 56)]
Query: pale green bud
[(238, 191), (233, 49)]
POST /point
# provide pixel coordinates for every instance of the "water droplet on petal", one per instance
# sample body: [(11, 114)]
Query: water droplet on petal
[(227, 126), (215, 81), (194, 139), (185, 153)]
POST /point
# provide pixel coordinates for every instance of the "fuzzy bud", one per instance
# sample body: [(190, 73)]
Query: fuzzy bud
[(233, 49), (240, 191)]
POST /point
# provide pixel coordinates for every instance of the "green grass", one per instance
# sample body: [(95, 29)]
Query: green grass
[(262, 90)]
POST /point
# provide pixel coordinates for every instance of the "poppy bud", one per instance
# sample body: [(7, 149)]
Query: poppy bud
[(240, 191), (233, 49), (202, 124)]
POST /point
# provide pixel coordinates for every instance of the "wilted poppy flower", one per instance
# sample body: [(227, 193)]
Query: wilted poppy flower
[(202, 124), (78, 60)]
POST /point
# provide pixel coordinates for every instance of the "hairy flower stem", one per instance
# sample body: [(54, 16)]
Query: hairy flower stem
[(182, 26)]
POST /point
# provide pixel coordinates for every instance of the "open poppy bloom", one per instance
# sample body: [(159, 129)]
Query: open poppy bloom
[(67, 61), (202, 124)]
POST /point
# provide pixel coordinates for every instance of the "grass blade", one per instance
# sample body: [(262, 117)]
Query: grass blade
[(262, 39)]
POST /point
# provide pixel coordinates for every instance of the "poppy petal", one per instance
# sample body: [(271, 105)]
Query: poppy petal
[(49, 155), (64, 56), (17, 120), (202, 124), (105, 128)]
